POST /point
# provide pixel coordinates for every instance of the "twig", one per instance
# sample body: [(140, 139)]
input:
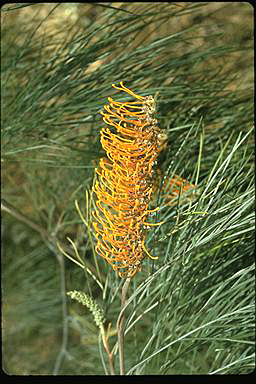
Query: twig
[(63, 349), (50, 239), (7, 207), (120, 326), (106, 346)]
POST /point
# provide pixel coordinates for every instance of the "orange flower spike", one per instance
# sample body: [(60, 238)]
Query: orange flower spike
[(123, 188)]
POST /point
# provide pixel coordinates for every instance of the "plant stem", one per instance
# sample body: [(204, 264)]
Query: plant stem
[(110, 355), (120, 326), (63, 349), (7, 207)]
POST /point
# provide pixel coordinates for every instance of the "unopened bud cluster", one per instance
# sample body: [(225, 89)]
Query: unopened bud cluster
[(86, 300)]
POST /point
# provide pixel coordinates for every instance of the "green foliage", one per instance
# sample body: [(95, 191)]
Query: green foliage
[(191, 311)]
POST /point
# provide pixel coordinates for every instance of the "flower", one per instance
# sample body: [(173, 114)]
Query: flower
[(86, 300), (124, 181)]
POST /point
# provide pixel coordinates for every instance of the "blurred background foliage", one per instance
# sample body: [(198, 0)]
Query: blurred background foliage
[(192, 312)]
